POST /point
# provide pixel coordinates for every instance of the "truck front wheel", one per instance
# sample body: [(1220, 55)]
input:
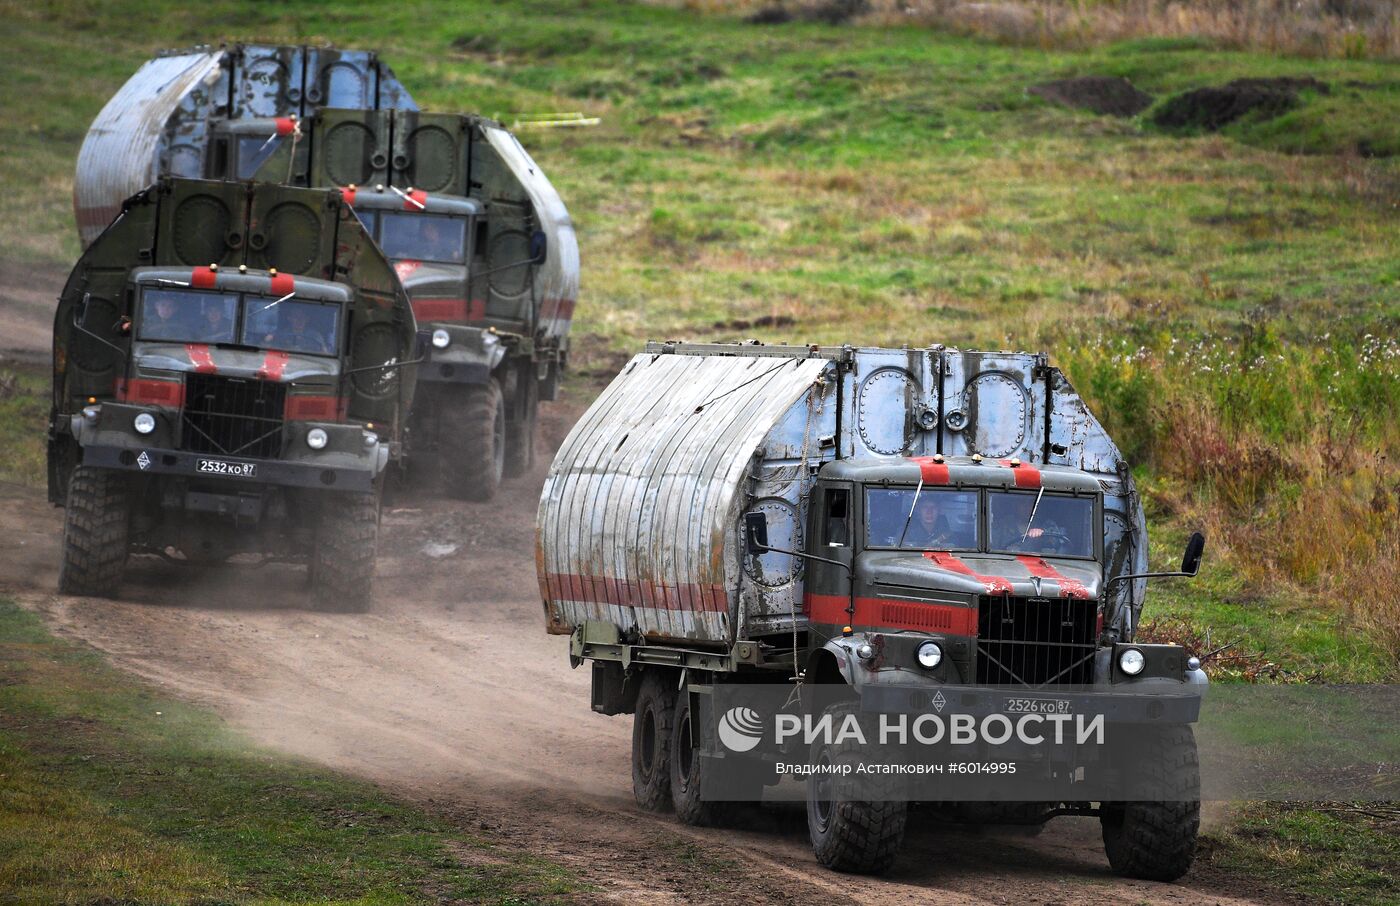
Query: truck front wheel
[(342, 560), (96, 532), (472, 442), (849, 834), (652, 731), (1155, 839)]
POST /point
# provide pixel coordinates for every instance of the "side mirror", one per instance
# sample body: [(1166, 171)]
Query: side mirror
[(539, 246), (755, 533), (1191, 562), (421, 341)]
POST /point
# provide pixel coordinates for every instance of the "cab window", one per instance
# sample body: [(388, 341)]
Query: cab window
[(929, 519), (837, 520), (187, 316), (1037, 522)]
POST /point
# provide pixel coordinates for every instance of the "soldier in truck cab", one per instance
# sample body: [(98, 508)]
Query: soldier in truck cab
[(294, 332), (161, 320), (214, 325)]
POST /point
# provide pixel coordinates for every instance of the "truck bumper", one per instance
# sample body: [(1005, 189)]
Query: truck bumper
[(1128, 703), (282, 473)]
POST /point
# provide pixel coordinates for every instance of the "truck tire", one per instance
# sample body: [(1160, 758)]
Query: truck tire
[(520, 437), (1156, 839), (688, 778), (472, 442), (342, 561), (852, 835), (96, 533), (653, 726)]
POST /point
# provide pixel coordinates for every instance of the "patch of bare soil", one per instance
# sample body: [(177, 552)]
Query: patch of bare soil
[(1212, 109), (1104, 95), (451, 694), (28, 297)]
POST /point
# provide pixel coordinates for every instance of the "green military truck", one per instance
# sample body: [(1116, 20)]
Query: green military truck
[(868, 537), (481, 239), (233, 365)]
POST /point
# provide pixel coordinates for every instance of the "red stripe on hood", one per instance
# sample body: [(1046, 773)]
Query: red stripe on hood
[(202, 358), (274, 363), (996, 585), (1070, 588), (932, 472)]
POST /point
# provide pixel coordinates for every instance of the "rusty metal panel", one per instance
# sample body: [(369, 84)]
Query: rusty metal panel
[(637, 521), (121, 153), (556, 279)]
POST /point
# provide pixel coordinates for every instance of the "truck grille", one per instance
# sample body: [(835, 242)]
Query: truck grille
[(232, 416), (1035, 641)]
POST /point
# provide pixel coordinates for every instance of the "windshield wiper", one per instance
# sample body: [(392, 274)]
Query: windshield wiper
[(1031, 521), (910, 517)]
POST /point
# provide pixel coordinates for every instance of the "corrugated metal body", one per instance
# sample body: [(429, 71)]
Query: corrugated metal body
[(159, 123), (120, 157), (636, 522), (556, 281), (615, 508)]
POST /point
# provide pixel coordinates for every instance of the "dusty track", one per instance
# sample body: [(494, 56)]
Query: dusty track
[(451, 693)]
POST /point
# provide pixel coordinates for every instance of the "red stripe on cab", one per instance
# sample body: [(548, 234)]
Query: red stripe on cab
[(932, 472), (348, 195), (203, 277), (286, 125), (283, 285), (417, 200)]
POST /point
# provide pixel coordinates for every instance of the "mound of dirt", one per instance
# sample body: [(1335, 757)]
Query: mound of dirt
[(832, 12), (1211, 109), (1107, 95)]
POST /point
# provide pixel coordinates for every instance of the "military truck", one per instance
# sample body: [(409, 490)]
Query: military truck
[(233, 364), (886, 530), (490, 258)]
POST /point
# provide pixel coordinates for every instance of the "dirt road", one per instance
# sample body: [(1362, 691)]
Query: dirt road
[(452, 694)]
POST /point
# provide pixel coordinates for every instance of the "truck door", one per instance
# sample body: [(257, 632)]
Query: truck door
[(832, 527)]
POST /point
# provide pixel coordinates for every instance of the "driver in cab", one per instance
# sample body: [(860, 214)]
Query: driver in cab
[(931, 528), (294, 332)]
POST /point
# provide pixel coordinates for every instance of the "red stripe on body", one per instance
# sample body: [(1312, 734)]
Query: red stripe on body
[(610, 590), (932, 472), (274, 363), (1070, 588), (202, 358), (449, 309), (996, 585), (283, 285), (559, 309), (1027, 475), (884, 613)]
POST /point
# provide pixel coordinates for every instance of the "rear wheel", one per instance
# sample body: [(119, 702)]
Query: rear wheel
[(96, 532), (342, 560), (1155, 839), (850, 834), (472, 442), (652, 731)]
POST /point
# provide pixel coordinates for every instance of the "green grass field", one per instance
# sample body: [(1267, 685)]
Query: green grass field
[(111, 793), (1227, 301)]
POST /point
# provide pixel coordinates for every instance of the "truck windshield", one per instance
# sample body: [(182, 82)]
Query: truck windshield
[(187, 316), (291, 325), (941, 518), (423, 237), (1031, 522), (193, 316)]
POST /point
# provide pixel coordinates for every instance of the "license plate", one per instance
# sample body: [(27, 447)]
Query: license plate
[(1037, 706), (232, 469)]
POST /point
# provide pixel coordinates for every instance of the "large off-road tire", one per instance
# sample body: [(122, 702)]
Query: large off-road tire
[(653, 727), (849, 834), (342, 560), (1155, 839), (688, 778), (520, 436), (96, 532), (472, 441)]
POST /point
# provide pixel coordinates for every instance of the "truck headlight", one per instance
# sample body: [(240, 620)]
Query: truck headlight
[(370, 438), (864, 651), (1131, 662), (316, 438), (144, 423), (930, 655), (441, 339)]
